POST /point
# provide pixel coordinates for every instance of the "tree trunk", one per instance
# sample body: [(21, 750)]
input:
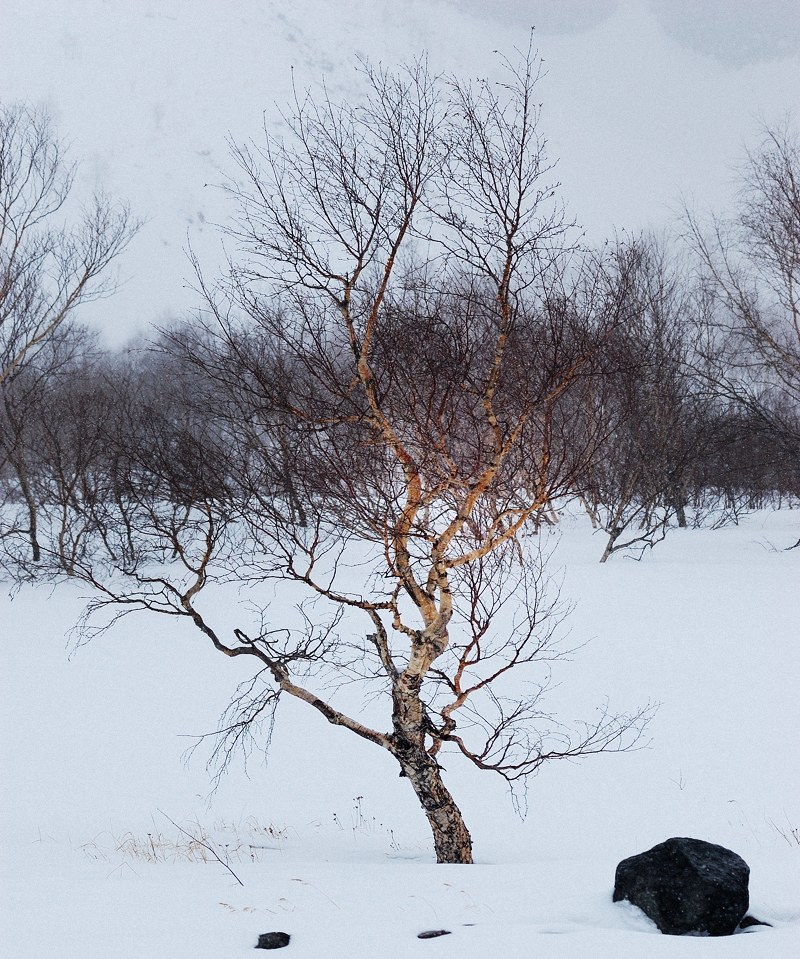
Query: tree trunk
[(451, 838), (676, 496), (679, 503), (30, 503), (613, 536)]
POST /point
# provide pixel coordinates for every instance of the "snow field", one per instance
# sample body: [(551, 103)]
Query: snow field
[(705, 624)]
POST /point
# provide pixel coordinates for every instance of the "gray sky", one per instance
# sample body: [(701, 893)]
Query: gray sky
[(733, 31), (644, 102)]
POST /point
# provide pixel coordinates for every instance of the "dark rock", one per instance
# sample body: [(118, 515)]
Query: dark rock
[(433, 933), (273, 940), (686, 886)]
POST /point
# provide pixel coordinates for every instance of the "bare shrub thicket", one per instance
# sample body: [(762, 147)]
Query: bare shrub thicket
[(643, 478)]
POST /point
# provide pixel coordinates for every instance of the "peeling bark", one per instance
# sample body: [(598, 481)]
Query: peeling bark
[(451, 838)]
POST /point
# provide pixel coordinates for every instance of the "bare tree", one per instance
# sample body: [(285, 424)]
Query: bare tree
[(35, 407), (751, 267), (376, 387), (47, 270)]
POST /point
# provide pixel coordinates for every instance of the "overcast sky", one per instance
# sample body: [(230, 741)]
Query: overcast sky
[(645, 101)]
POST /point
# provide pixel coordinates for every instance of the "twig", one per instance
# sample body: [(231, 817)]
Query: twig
[(211, 849)]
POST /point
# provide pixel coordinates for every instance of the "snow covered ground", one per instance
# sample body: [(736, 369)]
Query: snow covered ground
[(329, 842)]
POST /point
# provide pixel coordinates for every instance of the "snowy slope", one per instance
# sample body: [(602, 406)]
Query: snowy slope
[(706, 625), (645, 101)]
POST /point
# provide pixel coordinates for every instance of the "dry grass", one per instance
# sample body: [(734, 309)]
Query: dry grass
[(229, 843), (789, 833)]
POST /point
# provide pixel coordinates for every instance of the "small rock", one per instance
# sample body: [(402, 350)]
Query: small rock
[(273, 940), (752, 921), (433, 933)]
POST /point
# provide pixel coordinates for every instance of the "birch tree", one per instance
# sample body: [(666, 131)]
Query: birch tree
[(376, 388), (54, 257), (48, 267), (751, 267)]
